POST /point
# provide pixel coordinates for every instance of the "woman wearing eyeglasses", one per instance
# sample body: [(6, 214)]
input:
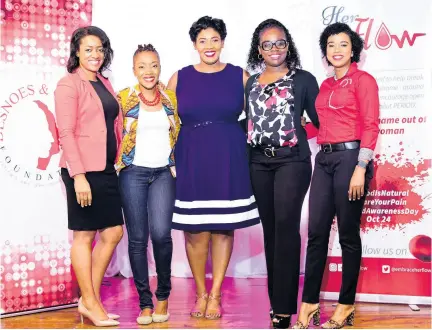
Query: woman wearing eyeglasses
[(280, 156)]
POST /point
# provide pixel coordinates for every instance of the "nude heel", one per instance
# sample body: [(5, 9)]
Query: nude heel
[(83, 311)]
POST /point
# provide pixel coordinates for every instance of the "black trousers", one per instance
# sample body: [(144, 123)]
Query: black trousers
[(280, 186), (329, 197)]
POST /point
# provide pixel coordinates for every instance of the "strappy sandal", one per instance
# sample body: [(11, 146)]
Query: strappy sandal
[(214, 313), (199, 311)]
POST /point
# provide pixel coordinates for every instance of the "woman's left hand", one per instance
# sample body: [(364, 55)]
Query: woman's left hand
[(356, 187), (303, 121)]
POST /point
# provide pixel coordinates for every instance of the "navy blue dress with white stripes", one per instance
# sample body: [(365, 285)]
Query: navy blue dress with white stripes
[(213, 184)]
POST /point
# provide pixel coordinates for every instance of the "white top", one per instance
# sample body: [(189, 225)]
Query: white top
[(152, 140)]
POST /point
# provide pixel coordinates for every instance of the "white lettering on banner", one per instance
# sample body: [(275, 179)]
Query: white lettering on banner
[(410, 270), (382, 251), (385, 202), (386, 269), (367, 210), (388, 193)]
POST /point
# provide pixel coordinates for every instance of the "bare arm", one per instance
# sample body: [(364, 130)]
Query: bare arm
[(246, 76), (172, 83)]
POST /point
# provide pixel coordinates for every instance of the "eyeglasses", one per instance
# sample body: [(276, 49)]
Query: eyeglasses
[(268, 45)]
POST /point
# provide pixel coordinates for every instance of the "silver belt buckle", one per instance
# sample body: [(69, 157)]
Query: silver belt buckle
[(269, 150)]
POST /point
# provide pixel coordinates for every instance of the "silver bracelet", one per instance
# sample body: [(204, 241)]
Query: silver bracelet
[(365, 154)]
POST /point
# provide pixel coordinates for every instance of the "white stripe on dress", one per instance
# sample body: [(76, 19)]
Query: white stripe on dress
[(215, 204), (198, 219)]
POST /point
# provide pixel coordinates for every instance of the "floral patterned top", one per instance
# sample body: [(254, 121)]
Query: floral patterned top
[(130, 104), (271, 113)]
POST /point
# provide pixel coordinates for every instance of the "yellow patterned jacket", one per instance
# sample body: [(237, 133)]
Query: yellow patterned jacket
[(130, 105)]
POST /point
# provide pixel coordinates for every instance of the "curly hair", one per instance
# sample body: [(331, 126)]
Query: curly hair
[(254, 62), (78, 34), (206, 22), (336, 28), (145, 48)]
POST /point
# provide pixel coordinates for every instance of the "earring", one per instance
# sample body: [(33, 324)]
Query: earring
[(260, 57), (352, 54)]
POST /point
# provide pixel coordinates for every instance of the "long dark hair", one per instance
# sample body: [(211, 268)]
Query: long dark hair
[(82, 32), (254, 62)]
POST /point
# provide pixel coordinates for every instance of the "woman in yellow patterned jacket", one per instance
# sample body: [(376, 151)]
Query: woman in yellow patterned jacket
[(147, 178)]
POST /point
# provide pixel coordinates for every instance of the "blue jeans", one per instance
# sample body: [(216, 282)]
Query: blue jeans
[(148, 196)]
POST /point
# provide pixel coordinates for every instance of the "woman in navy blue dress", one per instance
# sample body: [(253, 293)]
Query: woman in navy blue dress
[(214, 194)]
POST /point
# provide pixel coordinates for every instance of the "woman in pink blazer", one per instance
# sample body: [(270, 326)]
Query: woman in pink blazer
[(90, 124)]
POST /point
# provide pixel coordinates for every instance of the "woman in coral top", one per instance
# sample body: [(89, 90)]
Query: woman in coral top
[(348, 111), (89, 123)]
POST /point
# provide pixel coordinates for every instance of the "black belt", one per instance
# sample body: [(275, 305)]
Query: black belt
[(328, 148), (271, 152)]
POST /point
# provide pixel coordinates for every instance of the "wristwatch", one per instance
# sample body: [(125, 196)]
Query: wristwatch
[(362, 164)]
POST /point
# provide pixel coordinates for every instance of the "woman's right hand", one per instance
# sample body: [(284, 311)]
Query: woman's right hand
[(82, 190)]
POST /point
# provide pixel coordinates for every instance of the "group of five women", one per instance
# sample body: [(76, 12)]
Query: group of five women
[(178, 157)]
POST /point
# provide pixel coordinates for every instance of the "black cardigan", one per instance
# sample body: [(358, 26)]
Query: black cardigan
[(305, 92)]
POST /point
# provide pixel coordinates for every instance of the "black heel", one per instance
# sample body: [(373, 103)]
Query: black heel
[(281, 322), (271, 313)]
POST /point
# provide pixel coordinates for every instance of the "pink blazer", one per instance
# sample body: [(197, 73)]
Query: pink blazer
[(81, 124)]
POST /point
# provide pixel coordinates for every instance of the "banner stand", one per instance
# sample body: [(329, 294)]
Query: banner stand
[(41, 310)]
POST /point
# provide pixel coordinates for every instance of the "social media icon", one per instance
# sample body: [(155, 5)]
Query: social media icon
[(333, 267), (339, 267), (386, 269)]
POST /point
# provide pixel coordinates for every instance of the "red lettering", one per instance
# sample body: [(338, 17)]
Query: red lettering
[(6, 106), (3, 116), (405, 36), (31, 89), (16, 96), (368, 31), (22, 92)]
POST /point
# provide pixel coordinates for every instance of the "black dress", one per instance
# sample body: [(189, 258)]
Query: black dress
[(105, 210)]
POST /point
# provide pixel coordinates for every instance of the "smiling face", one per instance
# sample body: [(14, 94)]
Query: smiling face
[(273, 47), (339, 50), (147, 69), (209, 46), (91, 54)]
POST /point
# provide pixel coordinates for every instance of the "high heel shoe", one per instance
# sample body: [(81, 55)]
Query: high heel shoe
[(271, 313), (110, 315), (332, 324), (281, 322), (199, 312), (315, 316), (214, 313), (84, 312)]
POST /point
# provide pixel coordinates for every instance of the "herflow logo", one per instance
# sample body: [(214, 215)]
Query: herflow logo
[(372, 30)]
